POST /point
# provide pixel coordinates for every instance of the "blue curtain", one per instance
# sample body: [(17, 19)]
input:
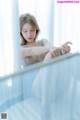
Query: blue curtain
[(67, 25)]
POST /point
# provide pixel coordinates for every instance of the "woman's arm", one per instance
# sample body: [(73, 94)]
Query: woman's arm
[(65, 48), (36, 51)]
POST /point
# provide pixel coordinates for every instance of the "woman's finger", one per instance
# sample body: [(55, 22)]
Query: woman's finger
[(66, 48), (67, 43), (56, 52)]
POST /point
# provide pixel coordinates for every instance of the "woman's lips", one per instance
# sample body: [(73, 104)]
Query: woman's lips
[(30, 38)]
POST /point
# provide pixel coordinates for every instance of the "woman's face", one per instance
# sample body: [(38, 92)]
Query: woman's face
[(28, 32)]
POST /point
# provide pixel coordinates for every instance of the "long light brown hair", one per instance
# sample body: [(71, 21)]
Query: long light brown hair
[(30, 19)]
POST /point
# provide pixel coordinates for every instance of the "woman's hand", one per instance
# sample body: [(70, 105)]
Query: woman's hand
[(65, 48), (55, 52)]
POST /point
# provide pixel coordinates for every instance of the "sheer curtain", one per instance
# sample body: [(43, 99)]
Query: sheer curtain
[(67, 24), (9, 37)]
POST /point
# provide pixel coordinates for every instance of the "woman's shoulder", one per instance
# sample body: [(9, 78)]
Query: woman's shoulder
[(41, 42)]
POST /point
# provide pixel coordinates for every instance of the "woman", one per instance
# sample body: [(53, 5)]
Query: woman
[(33, 51)]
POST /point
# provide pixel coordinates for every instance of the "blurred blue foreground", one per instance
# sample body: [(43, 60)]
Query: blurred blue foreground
[(43, 91)]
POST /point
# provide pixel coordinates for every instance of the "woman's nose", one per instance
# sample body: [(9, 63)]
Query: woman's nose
[(29, 34)]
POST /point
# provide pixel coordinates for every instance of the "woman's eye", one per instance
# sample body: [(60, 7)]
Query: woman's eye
[(24, 31), (32, 30)]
